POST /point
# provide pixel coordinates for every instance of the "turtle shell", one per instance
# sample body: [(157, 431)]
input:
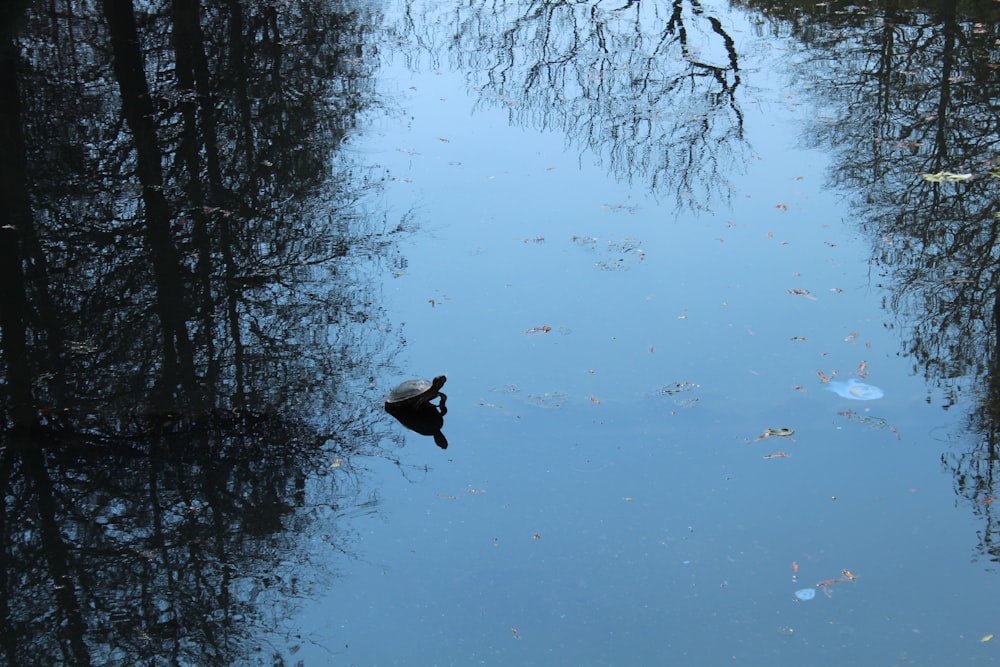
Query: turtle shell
[(415, 391)]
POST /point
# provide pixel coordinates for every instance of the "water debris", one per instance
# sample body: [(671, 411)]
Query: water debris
[(775, 433), (871, 422), (802, 292), (620, 208), (676, 388), (776, 455), (550, 399), (622, 254), (947, 177), (856, 390), (823, 377), (542, 329)]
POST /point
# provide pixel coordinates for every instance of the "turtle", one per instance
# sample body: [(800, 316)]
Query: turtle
[(412, 394), (410, 403)]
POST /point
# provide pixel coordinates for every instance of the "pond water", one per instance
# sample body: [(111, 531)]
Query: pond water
[(616, 348), (642, 244)]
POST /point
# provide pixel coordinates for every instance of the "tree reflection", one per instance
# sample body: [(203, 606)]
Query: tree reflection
[(650, 89), (188, 325), (912, 93)]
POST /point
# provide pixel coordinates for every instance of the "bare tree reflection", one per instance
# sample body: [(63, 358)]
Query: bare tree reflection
[(911, 95), (190, 323), (650, 89)]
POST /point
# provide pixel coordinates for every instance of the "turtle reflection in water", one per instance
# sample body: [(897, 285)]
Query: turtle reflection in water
[(410, 403)]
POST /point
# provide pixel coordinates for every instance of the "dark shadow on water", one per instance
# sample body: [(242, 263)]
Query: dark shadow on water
[(190, 282)]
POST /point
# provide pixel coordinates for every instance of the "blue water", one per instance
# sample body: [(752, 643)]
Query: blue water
[(583, 515)]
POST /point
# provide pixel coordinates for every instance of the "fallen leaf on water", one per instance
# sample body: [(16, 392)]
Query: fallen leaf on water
[(861, 369), (595, 400), (514, 630), (850, 575), (536, 536), (987, 501), (802, 292), (830, 582), (775, 432), (541, 329), (798, 338), (826, 378), (947, 177), (851, 336), (776, 455), (781, 207), (986, 638)]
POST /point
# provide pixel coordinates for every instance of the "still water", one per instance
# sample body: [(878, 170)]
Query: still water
[(615, 349), (643, 244)]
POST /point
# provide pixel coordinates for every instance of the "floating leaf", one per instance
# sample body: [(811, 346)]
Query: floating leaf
[(776, 455), (775, 433), (947, 177), (830, 582), (986, 638), (541, 329)]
